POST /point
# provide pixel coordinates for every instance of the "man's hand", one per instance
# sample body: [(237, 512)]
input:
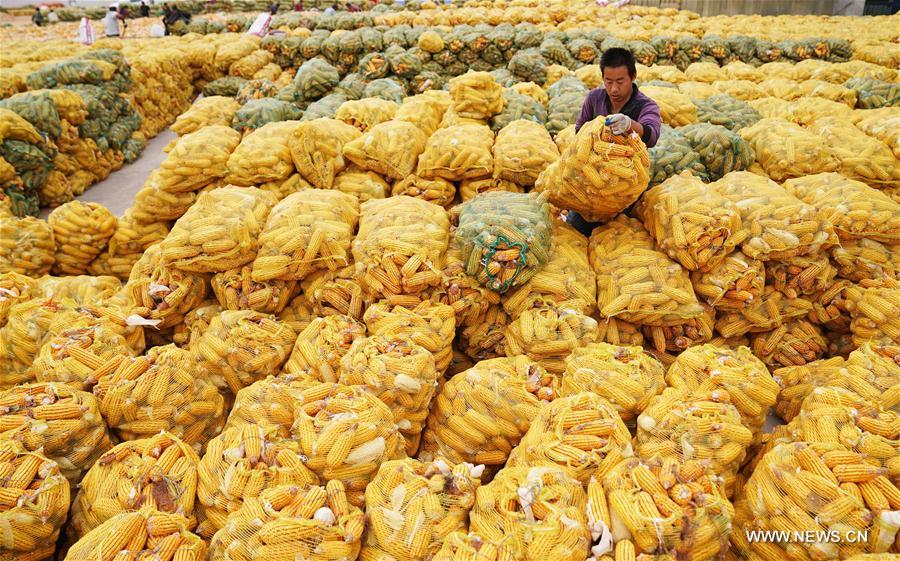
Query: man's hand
[(619, 123)]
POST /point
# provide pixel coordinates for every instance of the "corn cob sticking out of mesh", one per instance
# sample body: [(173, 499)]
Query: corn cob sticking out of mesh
[(792, 344), (35, 500), (412, 506), (236, 290), (160, 472), (548, 336), (678, 337), (319, 348), (142, 534), (797, 382), (430, 325)]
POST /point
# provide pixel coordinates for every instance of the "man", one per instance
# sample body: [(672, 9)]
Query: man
[(627, 108), (37, 17), (273, 8), (52, 17), (145, 10), (111, 22)]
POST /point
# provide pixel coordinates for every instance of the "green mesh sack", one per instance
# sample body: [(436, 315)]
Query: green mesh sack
[(768, 51), (352, 86), (198, 25), (504, 77), (371, 39), (527, 36), (796, 50), (518, 106), (503, 36), (563, 110), (721, 150), (256, 89), (312, 45), (404, 63), (468, 56), (613, 43), (413, 34), (36, 108), (33, 180), (236, 23), (665, 47), (672, 155), (118, 134), (872, 93), (350, 42), (742, 46), (567, 84), (659, 83), (457, 68), (424, 81), (374, 66), (691, 47), (726, 111), (493, 56), (644, 52), (396, 36), (444, 58), (227, 86), (331, 48), (316, 78), (385, 88), (584, 50), (529, 65), (325, 107), (715, 46), (71, 71), (258, 112), (24, 156), (22, 203), (556, 52), (841, 49), (133, 149)]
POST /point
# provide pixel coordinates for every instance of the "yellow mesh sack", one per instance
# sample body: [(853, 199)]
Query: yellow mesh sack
[(697, 90), (599, 175), (438, 190), (429, 325), (56, 190), (412, 507), (744, 90), (15, 127), (469, 299), (581, 433), (772, 310), (617, 332), (830, 307), (737, 283), (565, 282), (660, 295), (286, 522), (783, 89), (338, 292), (806, 110), (198, 159), (469, 546), (35, 502), (874, 316), (705, 368), (773, 107), (522, 150), (195, 323), (159, 472), (786, 150), (26, 246), (263, 155), (271, 402), (625, 376), (692, 426), (532, 514), (297, 314), (346, 437), (799, 276), (555, 73), (319, 348), (881, 124), (482, 413), (400, 245), (696, 226), (144, 533), (219, 232), (317, 149), (364, 185), (248, 65), (797, 382), (206, 111), (422, 111), (239, 464), (24, 334), (707, 72), (780, 225), (366, 113), (397, 371), (14, 288), (161, 391), (486, 338), (235, 289), (159, 292), (390, 148), (589, 74), (675, 108), (829, 91), (565, 138), (458, 152), (816, 487), (861, 157), (678, 337), (241, 347), (866, 259), (548, 336), (135, 236), (667, 505), (792, 344), (63, 424), (476, 95), (152, 204), (873, 373), (738, 70), (81, 231), (471, 188)]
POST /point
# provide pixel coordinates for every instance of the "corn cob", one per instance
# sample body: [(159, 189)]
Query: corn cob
[(523, 149), (390, 148), (366, 113), (319, 348), (471, 546), (797, 382), (195, 323), (236, 290)]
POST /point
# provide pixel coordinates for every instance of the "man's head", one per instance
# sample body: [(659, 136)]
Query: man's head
[(619, 72)]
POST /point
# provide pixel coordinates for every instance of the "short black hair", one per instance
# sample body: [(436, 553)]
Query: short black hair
[(616, 57)]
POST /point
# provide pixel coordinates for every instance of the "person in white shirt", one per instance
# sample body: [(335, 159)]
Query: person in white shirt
[(111, 22), (52, 17)]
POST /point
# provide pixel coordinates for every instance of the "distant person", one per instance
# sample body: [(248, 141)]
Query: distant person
[(353, 7), (111, 22), (170, 16), (330, 10), (52, 17), (273, 8), (145, 10), (37, 17), (298, 7)]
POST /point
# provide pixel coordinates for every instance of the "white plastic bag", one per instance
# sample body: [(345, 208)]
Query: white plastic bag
[(260, 25)]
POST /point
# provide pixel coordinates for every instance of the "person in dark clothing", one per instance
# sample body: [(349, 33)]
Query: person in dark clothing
[(170, 16), (273, 8), (145, 10), (37, 17), (627, 109)]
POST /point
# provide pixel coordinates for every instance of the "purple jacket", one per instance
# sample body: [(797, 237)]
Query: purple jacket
[(639, 107)]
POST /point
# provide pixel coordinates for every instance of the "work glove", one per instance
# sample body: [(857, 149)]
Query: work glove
[(619, 123)]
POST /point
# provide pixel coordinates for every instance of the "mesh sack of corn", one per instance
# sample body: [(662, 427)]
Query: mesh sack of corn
[(861, 157), (864, 258), (263, 155), (769, 311), (750, 386), (522, 150), (471, 188), (830, 306), (565, 282), (694, 426), (235, 289), (481, 414), (81, 232), (468, 298), (726, 111), (366, 113), (438, 190), (347, 436), (697, 90), (142, 534), (319, 348), (452, 119), (241, 347), (284, 522), (782, 226), (159, 472), (423, 111), (161, 391), (271, 402), (219, 232), (14, 288), (872, 373), (389, 148), (675, 108), (817, 487), (152, 203), (185, 334), (207, 111), (397, 371), (873, 93), (880, 124), (533, 513), (533, 91), (827, 90), (528, 64), (476, 95), (298, 313), (471, 546), (797, 382), (36, 500), (257, 113), (721, 150), (661, 295), (806, 110), (385, 88), (599, 175), (428, 324), (65, 425), (785, 150), (305, 232), (26, 246), (707, 72), (548, 336), (792, 344), (486, 338), (240, 464), (672, 155), (317, 149), (518, 106), (581, 433), (315, 79), (400, 245), (735, 284), (669, 505), (679, 336), (338, 292), (413, 506), (458, 152), (258, 88), (198, 159), (35, 108), (874, 315), (20, 340), (619, 333), (695, 226), (743, 90), (563, 110)]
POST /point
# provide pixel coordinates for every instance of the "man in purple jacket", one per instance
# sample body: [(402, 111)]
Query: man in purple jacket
[(627, 108)]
